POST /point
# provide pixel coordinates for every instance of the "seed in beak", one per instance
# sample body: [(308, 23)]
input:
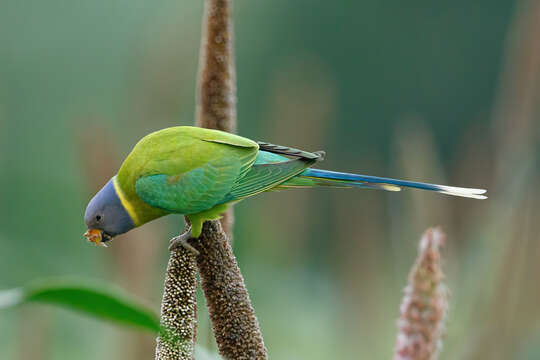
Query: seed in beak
[(95, 236)]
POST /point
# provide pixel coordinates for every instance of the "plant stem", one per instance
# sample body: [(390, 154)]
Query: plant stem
[(216, 87), (234, 323)]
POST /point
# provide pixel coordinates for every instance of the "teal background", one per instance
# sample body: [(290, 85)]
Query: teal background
[(445, 92)]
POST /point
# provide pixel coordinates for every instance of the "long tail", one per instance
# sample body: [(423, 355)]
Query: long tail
[(316, 177)]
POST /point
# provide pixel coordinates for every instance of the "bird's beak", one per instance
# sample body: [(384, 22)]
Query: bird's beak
[(95, 236)]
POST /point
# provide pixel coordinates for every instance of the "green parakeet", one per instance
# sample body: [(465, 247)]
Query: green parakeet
[(198, 172)]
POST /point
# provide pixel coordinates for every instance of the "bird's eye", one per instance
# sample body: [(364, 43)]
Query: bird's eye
[(98, 218)]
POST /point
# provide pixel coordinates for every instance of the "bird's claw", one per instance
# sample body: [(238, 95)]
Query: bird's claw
[(182, 241)]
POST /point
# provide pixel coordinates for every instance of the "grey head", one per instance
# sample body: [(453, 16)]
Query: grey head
[(105, 215)]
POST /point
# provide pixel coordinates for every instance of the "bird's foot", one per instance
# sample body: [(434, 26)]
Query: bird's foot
[(182, 241)]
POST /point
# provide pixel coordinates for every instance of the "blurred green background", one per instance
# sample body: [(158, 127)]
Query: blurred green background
[(446, 92)]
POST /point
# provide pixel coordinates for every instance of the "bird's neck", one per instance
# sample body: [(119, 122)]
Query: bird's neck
[(126, 203), (139, 212)]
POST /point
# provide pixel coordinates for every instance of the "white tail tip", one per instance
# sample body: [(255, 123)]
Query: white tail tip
[(463, 192)]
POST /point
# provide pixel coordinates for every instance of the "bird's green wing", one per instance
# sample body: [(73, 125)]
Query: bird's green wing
[(191, 192), (263, 177), (196, 176), (271, 168)]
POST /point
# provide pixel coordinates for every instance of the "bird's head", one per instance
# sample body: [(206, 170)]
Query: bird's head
[(106, 216)]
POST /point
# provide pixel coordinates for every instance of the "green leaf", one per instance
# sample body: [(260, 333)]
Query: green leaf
[(98, 301)]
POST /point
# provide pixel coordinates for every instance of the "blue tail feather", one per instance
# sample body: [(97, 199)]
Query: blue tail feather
[(390, 184)]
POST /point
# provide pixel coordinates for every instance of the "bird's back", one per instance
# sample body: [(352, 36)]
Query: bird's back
[(175, 152), (171, 150)]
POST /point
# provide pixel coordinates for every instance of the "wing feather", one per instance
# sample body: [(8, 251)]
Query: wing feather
[(195, 191), (199, 169), (263, 177)]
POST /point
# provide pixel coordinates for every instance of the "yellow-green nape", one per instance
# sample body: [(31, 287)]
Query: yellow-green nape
[(130, 209), (198, 219)]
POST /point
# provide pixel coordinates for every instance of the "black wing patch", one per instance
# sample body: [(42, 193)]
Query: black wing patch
[(289, 151)]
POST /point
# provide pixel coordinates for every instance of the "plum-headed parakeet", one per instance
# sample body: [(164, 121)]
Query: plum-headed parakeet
[(198, 172)]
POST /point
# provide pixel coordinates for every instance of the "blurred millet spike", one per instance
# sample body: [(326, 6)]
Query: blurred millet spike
[(421, 324), (178, 308)]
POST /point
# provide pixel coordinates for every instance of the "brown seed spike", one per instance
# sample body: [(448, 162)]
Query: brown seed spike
[(233, 319), (235, 326)]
